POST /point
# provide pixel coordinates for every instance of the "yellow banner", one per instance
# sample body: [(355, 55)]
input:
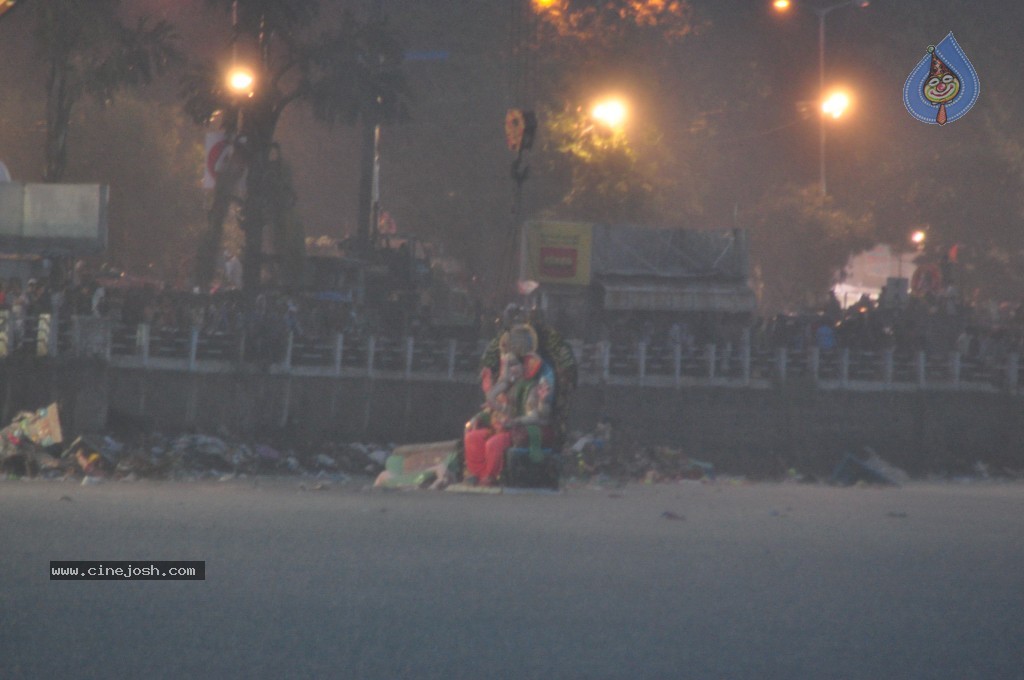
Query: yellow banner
[(559, 252)]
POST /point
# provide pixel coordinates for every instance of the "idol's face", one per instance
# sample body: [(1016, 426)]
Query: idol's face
[(514, 368)]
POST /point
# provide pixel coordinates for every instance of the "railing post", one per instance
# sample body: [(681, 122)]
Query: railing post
[(922, 363), (371, 347), (408, 355), (780, 364), (53, 341), (76, 335), (745, 356), (677, 362), (709, 351), (954, 368), (641, 360), (577, 350), (193, 348), (4, 334), (814, 359), (43, 335), (451, 358), (288, 347), (606, 359), (339, 349), (844, 367), (142, 340), (1012, 372)]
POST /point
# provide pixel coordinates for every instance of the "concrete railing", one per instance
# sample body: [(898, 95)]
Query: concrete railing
[(640, 363), (662, 365)]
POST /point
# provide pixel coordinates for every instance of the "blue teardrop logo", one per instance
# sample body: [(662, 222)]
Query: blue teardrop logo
[(943, 86)]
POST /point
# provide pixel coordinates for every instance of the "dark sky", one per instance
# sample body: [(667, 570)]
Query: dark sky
[(456, 133), (449, 165)]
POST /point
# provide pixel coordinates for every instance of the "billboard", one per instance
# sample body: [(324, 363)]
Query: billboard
[(559, 252), (47, 217)]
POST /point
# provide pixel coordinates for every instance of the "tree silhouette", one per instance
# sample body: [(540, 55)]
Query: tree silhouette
[(334, 72), (89, 51)]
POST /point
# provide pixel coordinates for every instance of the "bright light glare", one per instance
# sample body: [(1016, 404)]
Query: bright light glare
[(918, 236), (781, 5), (836, 104), (241, 80), (611, 112)]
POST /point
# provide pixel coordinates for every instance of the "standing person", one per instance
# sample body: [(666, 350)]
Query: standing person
[(833, 311), (518, 411)]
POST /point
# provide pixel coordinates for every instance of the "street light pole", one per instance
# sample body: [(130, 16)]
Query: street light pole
[(822, 12), (821, 91)]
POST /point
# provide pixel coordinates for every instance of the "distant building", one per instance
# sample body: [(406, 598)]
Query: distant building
[(598, 277)]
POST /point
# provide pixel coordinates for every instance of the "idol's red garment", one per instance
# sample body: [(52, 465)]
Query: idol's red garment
[(485, 452), (484, 448)]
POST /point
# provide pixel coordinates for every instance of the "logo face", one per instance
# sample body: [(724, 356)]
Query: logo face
[(943, 86)]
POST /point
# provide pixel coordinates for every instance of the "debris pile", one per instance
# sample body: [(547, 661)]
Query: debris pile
[(32, 446), (597, 455), (26, 445), (192, 456), (869, 469)]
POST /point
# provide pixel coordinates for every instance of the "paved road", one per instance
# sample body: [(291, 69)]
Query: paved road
[(666, 581)]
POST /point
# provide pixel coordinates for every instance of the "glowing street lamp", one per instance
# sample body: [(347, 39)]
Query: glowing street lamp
[(835, 104), (610, 113), (918, 237), (822, 12), (241, 80)]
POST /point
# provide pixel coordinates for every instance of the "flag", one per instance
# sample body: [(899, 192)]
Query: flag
[(218, 151)]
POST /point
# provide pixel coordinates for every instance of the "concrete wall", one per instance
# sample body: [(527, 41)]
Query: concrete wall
[(766, 432), (759, 432), (350, 408), (744, 431)]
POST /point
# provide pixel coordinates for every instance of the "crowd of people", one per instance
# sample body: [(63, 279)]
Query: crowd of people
[(936, 323), (266, 319), (939, 321)]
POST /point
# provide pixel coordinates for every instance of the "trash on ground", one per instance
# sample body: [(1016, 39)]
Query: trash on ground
[(420, 465), (31, 446), (869, 470), (27, 445)]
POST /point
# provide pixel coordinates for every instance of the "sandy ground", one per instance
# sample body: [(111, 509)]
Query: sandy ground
[(723, 580)]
